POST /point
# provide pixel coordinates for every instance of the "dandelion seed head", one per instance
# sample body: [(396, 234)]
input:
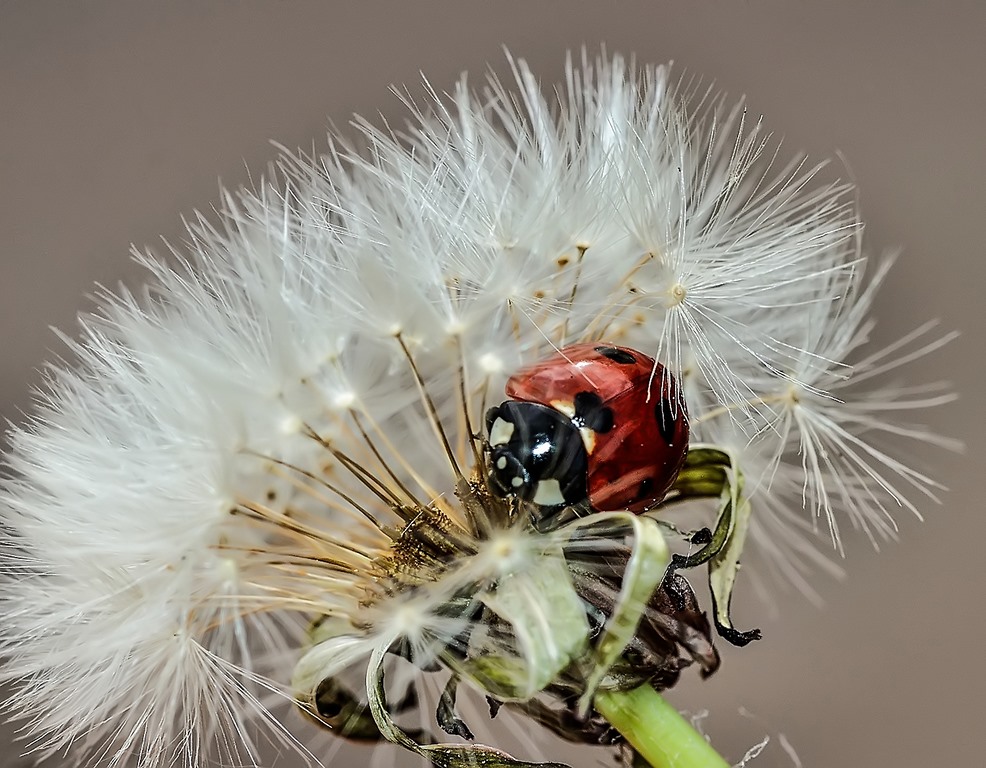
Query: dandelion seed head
[(268, 467)]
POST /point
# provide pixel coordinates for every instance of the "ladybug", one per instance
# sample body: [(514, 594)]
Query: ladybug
[(593, 423)]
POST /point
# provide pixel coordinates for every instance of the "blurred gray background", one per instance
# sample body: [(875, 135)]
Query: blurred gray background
[(117, 117)]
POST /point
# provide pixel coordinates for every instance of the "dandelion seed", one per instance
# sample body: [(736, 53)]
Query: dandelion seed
[(282, 487)]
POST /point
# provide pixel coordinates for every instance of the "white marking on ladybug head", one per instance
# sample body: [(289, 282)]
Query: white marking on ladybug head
[(501, 432), (564, 406), (548, 493), (588, 439)]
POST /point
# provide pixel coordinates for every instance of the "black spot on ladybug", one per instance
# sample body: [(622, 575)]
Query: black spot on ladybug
[(646, 488), (590, 412), (620, 356), (665, 419)]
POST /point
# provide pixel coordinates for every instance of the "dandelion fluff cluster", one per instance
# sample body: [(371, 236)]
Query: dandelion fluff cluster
[(235, 449)]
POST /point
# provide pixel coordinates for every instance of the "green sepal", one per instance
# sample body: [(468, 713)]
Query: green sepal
[(644, 572), (548, 621), (704, 473), (709, 471), (723, 569)]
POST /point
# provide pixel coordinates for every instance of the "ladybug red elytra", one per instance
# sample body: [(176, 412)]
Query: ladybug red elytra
[(592, 422)]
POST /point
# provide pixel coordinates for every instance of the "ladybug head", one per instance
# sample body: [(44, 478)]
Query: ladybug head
[(536, 454)]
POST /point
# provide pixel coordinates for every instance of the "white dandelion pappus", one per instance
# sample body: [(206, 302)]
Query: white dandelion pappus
[(267, 469)]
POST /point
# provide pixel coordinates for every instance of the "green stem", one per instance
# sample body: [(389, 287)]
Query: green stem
[(655, 729)]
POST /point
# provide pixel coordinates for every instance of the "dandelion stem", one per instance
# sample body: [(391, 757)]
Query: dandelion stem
[(654, 728)]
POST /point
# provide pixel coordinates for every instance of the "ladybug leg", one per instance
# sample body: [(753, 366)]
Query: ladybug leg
[(713, 542), (701, 536)]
